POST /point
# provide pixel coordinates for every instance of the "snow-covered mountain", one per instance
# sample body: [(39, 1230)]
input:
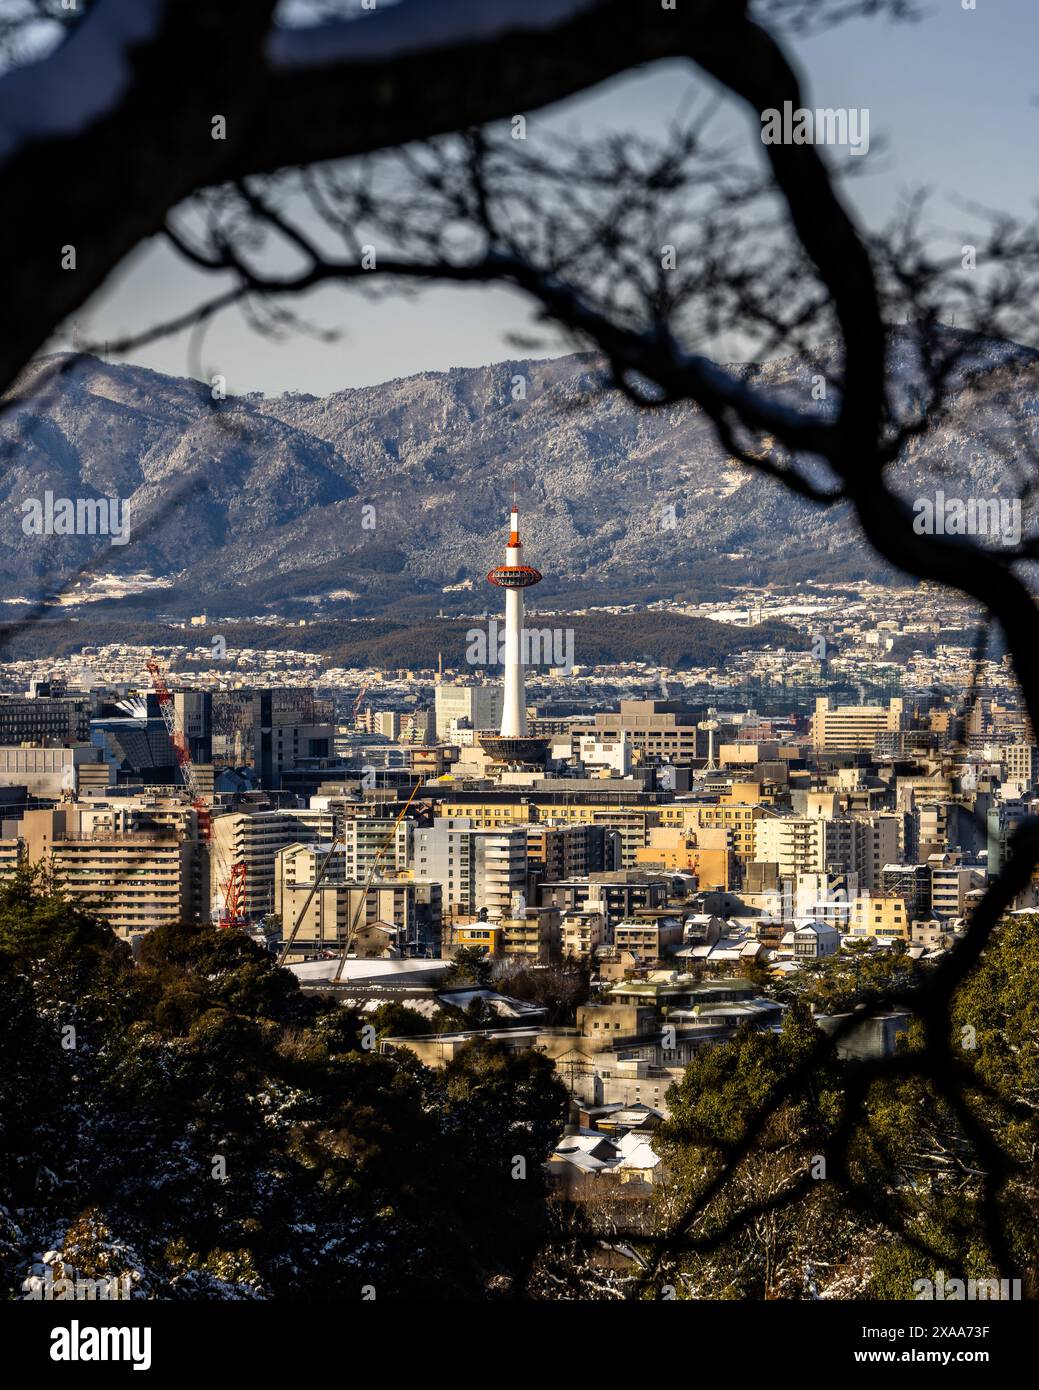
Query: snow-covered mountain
[(401, 488)]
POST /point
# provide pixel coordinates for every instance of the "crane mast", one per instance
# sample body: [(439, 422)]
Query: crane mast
[(181, 751)]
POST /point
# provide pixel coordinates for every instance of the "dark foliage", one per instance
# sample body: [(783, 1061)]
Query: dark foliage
[(198, 1122)]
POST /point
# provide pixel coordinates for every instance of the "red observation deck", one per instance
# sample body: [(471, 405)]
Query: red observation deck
[(514, 576)]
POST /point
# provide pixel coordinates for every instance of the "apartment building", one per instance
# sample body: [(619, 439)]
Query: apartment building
[(531, 933), (1020, 763), (949, 825), (880, 839), (582, 932), (136, 879), (563, 851), (806, 845), (617, 895), (655, 730), (823, 842), (950, 886), (478, 868), (853, 728), (473, 706), (340, 901), (739, 818), (650, 937), (12, 855), (324, 920), (254, 839), (376, 842), (630, 826)]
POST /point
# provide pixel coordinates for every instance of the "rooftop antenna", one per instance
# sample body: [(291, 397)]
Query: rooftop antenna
[(710, 725)]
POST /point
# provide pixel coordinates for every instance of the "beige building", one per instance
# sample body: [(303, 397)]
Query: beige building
[(327, 915), (651, 937), (12, 855), (532, 933), (582, 932), (135, 878), (852, 728), (654, 729), (707, 852), (254, 839), (823, 842), (49, 772), (951, 886), (1021, 763)]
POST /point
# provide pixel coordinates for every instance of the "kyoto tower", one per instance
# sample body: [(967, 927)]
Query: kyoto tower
[(513, 744)]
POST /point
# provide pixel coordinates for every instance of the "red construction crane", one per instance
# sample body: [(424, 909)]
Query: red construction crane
[(357, 702), (233, 914), (181, 751)]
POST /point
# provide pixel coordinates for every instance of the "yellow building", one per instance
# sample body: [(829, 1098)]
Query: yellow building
[(885, 918), (739, 818), (490, 815), (708, 853), (481, 934)]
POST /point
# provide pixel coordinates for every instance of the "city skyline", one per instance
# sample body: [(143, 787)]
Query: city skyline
[(668, 934)]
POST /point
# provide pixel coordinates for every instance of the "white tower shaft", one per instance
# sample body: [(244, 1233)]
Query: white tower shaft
[(514, 704)]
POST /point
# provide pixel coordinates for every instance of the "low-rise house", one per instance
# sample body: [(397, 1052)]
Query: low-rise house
[(588, 1164), (652, 938), (815, 940)]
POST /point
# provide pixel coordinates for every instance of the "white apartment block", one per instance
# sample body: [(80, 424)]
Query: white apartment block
[(376, 842), (253, 839), (823, 843), (477, 868)]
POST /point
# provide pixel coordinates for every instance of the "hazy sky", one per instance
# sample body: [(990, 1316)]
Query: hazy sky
[(952, 97)]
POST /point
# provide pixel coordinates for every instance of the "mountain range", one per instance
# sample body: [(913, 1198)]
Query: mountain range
[(371, 500)]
